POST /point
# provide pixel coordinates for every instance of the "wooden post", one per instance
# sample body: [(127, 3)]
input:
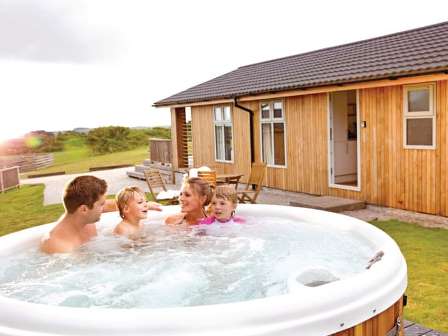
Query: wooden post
[(179, 137), (174, 154)]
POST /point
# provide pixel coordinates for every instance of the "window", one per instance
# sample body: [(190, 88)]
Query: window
[(223, 133), (273, 134), (419, 117)]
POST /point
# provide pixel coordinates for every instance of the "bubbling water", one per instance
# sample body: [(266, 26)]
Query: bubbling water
[(180, 266)]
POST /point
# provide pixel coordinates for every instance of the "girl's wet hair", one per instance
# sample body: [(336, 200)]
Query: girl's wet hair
[(125, 195), (201, 188), (226, 192)]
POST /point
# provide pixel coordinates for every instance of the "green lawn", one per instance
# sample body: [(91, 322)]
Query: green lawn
[(76, 158), (425, 250), (23, 208), (426, 253)]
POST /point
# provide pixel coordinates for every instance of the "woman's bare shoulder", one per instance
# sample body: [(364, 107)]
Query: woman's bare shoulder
[(175, 219)]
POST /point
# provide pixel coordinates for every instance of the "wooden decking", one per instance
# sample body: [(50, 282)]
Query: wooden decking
[(414, 329), (328, 203)]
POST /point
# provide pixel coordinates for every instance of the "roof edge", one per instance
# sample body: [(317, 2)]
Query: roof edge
[(304, 87)]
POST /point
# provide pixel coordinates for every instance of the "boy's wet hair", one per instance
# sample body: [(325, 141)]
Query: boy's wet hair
[(201, 188), (83, 190), (125, 195), (226, 192)]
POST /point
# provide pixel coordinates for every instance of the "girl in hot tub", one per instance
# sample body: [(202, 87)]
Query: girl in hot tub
[(222, 207)]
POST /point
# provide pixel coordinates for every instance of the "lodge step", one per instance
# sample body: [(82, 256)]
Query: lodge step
[(167, 174), (142, 168), (168, 178), (328, 203), (136, 174)]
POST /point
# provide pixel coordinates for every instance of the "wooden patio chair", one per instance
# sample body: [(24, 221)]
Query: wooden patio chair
[(155, 181), (209, 176), (216, 167), (256, 178)]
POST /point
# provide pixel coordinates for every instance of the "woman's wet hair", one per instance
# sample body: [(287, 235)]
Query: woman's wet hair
[(125, 195), (201, 188)]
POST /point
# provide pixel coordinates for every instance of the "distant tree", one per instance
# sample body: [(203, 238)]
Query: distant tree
[(33, 142), (109, 139), (70, 134), (159, 132), (43, 142)]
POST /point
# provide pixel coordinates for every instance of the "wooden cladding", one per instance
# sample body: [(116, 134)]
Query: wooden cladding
[(391, 175), (378, 325), (204, 140)]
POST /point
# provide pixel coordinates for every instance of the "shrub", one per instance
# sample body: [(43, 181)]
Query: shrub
[(110, 139), (117, 138)]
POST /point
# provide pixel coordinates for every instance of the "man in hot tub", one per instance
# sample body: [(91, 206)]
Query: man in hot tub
[(84, 201)]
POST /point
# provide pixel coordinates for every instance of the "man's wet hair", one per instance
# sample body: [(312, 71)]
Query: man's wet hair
[(83, 190)]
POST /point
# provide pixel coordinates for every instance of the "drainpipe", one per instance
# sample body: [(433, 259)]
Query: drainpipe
[(251, 127)]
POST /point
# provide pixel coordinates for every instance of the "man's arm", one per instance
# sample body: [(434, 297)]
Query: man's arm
[(110, 205)]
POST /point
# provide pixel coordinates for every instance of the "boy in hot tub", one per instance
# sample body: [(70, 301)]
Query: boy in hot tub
[(133, 207)]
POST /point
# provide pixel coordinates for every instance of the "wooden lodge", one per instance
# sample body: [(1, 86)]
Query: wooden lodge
[(366, 120)]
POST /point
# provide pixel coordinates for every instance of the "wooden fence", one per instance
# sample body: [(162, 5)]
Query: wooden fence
[(9, 178), (160, 150), (27, 162)]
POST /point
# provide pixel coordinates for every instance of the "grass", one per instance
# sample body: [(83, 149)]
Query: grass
[(23, 208), (426, 254), (76, 158), (425, 250)]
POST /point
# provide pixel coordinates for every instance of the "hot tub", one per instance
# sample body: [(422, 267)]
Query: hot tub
[(317, 303)]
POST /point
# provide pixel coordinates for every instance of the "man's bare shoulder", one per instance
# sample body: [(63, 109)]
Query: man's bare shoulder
[(54, 245)]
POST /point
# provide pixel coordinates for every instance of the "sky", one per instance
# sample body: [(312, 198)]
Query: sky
[(91, 63)]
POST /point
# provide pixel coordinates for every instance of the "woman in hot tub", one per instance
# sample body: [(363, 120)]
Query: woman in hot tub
[(195, 195)]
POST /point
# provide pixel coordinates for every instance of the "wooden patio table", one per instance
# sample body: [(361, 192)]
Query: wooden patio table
[(233, 178)]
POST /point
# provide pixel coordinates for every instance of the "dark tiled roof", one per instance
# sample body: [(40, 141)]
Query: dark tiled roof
[(417, 51)]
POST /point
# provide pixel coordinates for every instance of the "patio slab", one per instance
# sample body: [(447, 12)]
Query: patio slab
[(328, 203), (414, 329)]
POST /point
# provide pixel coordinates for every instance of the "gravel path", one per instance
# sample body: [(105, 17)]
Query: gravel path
[(372, 212)]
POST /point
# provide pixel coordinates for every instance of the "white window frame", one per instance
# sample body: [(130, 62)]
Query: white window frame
[(271, 120), (222, 123), (431, 113)]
